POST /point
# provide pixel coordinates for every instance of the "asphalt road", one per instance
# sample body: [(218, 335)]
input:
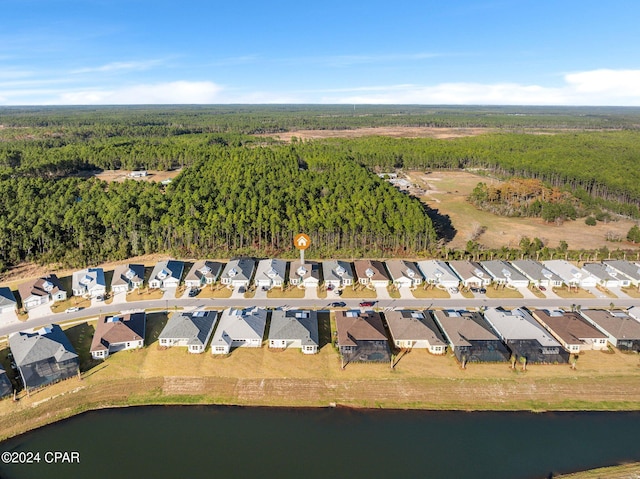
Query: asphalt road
[(163, 304)]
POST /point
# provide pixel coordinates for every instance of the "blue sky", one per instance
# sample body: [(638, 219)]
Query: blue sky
[(536, 52)]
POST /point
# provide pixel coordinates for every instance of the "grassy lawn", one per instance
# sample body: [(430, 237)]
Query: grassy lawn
[(537, 292), (393, 292), (632, 292), (503, 293), (605, 291), (145, 294), (180, 291), (434, 293), (467, 293), (72, 302), (219, 292), (359, 292), (573, 294), (250, 293), (322, 293), (291, 292)]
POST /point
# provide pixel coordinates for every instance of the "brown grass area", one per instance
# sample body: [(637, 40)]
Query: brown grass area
[(219, 291), (623, 471), (632, 292), (573, 294), (393, 131), (358, 292), (145, 294), (291, 292), (438, 293), (503, 293), (447, 192)]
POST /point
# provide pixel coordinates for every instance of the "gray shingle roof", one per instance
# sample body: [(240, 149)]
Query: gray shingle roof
[(240, 269), (39, 345), (618, 324), (88, 279), (167, 269), (295, 325), (518, 325), (6, 297), (195, 327), (204, 268), (535, 271), (127, 273), (332, 268), (461, 327), (271, 269), (409, 325), (240, 324)]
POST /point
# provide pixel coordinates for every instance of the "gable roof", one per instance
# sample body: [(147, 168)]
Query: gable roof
[(127, 273), (40, 287), (399, 268), (204, 269), (239, 269), (336, 270), (535, 271), (518, 324), (567, 271), (88, 279), (246, 323), (414, 326), (463, 326), (311, 270), (466, 270), (164, 270), (295, 325), (41, 345), (371, 269), (271, 269), (6, 297), (617, 323), (502, 269), (195, 327), (569, 326), (436, 271), (354, 326), (627, 268), (118, 329), (602, 271)]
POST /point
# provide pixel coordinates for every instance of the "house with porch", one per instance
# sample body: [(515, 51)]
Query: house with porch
[(471, 274), (525, 337), (306, 275), (471, 337), (238, 272), (89, 282), (625, 269), (371, 273), (43, 356), (127, 277), (537, 274), (202, 273), (8, 303), (270, 273), (607, 276), (571, 275), (166, 274), (404, 274), (439, 274), (337, 274), (622, 330), (571, 330), (362, 337), (294, 328), (239, 328), (503, 274), (118, 333), (41, 291), (415, 330), (191, 330)]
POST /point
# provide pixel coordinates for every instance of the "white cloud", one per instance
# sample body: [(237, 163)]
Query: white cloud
[(609, 82), (119, 66), (178, 92)]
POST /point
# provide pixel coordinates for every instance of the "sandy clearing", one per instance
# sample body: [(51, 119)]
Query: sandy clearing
[(392, 131)]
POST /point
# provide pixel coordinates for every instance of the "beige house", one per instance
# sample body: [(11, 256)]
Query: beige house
[(371, 272), (415, 329)]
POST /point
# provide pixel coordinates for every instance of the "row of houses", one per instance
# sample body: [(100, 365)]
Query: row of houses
[(546, 336), (336, 274)]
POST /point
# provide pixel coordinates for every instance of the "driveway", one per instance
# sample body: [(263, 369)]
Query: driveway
[(260, 293), (236, 294), (119, 298), (10, 318), (383, 294), (311, 293), (40, 311)]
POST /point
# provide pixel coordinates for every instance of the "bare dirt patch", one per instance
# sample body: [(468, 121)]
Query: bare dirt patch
[(121, 175), (392, 131), (447, 192)]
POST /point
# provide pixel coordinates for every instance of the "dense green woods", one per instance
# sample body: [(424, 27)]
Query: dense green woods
[(249, 194)]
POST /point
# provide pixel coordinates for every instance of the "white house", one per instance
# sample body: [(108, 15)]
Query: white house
[(405, 274), (571, 275), (89, 282), (238, 272), (537, 274), (415, 329), (202, 273), (190, 330), (118, 333), (505, 274), (438, 273), (294, 329), (8, 301), (166, 274), (626, 269), (127, 277), (622, 330), (239, 328), (41, 291), (607, 276), (470, 273), (270, 273), (337, 273)]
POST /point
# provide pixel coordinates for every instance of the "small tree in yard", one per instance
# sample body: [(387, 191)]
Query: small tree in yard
[(634, 234)]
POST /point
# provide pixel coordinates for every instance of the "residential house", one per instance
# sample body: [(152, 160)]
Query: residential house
[(415, 330), (238, 272), (202, 272), (622, 330), (404, 274), (239, 328), (607, 276), (294, 329), (571, 330), (471, 337), (166, 274), (362, 337), (525, 337), (634, 312), (571, 275), (43, 356), (6, 387), (439, 274), (307, 274), (470, 273), (191, 330), (118, 333), (371, 272), (270, 273), (537, 274), (41, 291), (89, 282), (625, 269), (127, 277), (504, 274), (8, 301), (337, 274)]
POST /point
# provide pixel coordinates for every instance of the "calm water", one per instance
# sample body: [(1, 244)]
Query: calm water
[(204, 442)]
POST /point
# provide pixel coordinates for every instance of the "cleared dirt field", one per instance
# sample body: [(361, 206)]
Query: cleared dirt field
[(447, 192), (393, 131), (121, 175)]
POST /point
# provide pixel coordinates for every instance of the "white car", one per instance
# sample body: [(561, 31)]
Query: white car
[(72, 310)]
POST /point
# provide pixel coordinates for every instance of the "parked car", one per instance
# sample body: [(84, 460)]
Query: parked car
[(72, 309), (367, 304), (542, 288), (338, 304), (454, 290), (194, 292), (482, 291)]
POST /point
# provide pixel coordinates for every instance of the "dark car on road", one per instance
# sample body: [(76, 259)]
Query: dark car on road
[(338, 304)]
